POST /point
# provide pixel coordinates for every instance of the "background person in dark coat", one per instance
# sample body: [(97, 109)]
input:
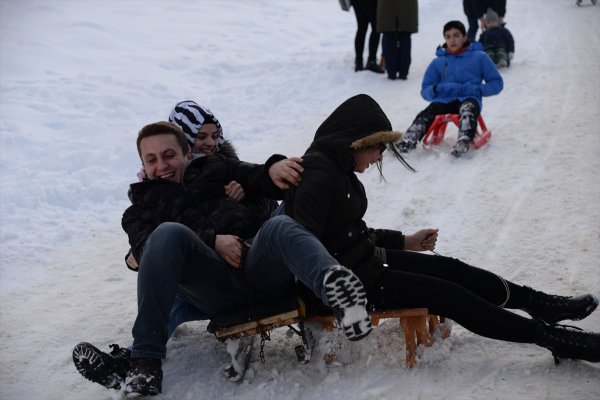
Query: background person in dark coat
[(397, 20)]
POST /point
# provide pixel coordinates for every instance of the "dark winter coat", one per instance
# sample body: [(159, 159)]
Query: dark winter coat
[(497, 38), (398, 16), (200, 201), (331, 201), (458, 77)]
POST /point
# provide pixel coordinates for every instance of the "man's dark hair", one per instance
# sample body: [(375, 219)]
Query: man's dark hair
[(455, 25), (162, 128)]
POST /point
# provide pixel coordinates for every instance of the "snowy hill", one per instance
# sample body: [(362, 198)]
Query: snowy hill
[(79, 79)]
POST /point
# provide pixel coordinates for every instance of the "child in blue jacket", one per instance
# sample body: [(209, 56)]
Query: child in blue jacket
[(455, 82)]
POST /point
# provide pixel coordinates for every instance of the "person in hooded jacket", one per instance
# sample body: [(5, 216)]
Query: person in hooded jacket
[(331, 203), (455, 82)]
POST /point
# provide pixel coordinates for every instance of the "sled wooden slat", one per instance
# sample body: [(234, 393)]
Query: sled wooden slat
[(328, 321), (259, 325)]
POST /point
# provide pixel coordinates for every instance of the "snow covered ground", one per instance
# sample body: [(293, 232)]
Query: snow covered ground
[(79, 78)]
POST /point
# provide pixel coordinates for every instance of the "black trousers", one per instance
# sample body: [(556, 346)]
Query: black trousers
[(366, 13), (448, 287)]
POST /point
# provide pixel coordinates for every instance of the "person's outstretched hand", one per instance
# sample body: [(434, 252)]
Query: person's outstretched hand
[(286, 172), (423, 240)]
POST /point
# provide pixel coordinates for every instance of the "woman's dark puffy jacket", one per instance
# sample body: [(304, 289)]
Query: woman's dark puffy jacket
[(331, 201)]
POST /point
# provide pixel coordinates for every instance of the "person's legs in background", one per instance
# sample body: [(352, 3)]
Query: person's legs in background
[(372, 64), (473, 27), (388, 45), (362, 24), (404, 54)]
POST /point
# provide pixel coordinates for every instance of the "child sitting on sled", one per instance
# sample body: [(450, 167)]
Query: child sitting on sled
[(497, 41), (455, 83)]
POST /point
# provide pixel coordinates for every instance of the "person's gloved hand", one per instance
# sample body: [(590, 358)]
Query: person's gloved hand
[(469, 90), (447, 89)]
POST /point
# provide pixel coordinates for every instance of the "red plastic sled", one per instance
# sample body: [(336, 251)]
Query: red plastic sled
[(437, 130)]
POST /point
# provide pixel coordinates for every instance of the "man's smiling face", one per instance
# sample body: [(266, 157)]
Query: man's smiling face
[(163, 157)]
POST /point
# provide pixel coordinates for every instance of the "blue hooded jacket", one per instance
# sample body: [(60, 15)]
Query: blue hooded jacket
[(452, 77)]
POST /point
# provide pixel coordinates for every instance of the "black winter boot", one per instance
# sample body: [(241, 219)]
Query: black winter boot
[(358, 65), (567, 342), (552, 308), (145, 377), (108, 370), (372, 66)]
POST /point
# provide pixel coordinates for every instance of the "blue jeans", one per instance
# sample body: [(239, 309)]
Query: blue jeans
[(175, 262), (396, 48), (182, 312)]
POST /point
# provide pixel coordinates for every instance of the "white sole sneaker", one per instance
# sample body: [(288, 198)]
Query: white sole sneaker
[(347, 298)]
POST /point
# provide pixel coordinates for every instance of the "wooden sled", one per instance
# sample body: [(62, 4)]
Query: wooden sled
[(418, 326)]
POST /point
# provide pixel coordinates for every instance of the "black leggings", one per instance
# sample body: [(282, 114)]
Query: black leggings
[(366, 13), (448, 287)]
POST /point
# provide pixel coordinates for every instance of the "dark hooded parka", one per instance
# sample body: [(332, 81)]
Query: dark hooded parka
[(331, 201)]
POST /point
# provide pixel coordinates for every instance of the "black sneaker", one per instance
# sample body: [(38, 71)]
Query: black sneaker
[(372, 66), (347, 298), (358, 65), (108, 370), (551, 308), (145, 377)]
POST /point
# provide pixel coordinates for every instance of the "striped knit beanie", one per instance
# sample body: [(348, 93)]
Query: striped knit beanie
[(190, 117)]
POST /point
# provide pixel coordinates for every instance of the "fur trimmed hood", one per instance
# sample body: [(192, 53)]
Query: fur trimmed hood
[(228, 150), (387, 137), (357, 123)]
